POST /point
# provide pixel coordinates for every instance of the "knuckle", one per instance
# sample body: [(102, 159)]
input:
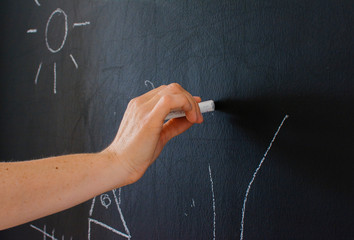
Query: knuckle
[(175, 86), (134, 102), (166, 99)]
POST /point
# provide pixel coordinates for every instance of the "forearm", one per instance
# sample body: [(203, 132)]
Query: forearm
[(33, 189), (37, 188)]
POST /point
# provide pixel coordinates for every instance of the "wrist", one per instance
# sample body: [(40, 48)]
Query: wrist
[(121, 172)]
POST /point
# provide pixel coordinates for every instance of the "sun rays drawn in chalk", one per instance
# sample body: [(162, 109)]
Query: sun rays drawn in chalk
[(58, 12)]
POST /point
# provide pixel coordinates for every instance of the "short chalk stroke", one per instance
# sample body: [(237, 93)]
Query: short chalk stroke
[(37, 3), (37, 75), (81, 24), (32, 30), (254, 176), (74, 61)]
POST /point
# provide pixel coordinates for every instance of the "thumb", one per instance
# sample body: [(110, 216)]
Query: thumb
[(174, 127), (171, 129)]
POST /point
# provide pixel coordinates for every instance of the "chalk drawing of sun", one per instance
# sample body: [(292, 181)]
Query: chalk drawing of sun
[(60, 13)]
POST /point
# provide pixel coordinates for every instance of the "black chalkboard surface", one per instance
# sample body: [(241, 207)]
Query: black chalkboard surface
[(274, 162)]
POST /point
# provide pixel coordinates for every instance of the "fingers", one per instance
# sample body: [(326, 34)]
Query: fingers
[(159, 102), (174, 97), (194, 102), (200, 116), (197, 99), (171, 102)]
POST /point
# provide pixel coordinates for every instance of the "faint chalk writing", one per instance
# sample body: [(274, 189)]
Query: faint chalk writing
[(150, 83), (46, 234), (105, 200), (192, 206)]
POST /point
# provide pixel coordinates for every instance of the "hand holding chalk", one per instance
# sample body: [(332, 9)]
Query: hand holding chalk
[(143, 132), (207, 106)]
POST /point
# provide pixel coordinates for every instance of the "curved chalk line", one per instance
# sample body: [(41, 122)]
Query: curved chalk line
[(255, 174), (57, 11), (149, 82)]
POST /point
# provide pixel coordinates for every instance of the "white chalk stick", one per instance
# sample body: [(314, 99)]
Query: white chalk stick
[(207, 106)]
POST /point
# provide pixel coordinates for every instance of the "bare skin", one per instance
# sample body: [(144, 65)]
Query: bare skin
[(37, 188)]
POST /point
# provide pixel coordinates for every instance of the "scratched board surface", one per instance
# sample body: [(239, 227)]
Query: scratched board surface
[(274, 162)]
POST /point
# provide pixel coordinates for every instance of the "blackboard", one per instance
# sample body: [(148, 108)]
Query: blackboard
[(282, 76)]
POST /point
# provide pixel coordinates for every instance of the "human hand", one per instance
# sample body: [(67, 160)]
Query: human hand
[(143, 134)]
